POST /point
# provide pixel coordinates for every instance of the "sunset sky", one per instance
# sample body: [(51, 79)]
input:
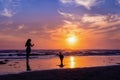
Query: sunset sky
[(95, 24)]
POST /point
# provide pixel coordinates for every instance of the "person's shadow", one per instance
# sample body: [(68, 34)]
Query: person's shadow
[(28, 66)]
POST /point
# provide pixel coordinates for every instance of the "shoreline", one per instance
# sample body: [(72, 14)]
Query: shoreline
[(93, 73)]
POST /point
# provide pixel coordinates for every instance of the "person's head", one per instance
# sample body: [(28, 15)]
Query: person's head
[(29, 40)]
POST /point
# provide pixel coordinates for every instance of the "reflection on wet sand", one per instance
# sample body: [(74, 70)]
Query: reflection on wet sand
[(61, 65), (43, 63), (28, 66), (72, 62)]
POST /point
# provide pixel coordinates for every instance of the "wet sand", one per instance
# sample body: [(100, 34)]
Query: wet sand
[(15, 66), (93, 73)]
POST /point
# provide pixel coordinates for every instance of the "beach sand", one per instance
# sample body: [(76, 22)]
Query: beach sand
[(93, 73)]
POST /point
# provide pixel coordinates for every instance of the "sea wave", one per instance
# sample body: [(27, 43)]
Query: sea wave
[(20, 54)]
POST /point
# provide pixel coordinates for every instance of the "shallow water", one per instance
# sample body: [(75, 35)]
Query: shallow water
[(52, 62)]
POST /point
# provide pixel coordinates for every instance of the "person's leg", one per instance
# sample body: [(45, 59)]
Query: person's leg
[(27, 57)]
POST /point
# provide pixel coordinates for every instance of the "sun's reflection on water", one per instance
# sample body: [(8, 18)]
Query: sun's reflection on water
[(72, 62)]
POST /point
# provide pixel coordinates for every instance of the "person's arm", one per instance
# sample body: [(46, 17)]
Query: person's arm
[(32, 45)]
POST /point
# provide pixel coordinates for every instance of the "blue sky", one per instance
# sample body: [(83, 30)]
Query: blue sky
[(95, 23)]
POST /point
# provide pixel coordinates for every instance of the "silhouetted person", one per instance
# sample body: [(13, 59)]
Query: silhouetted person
[(61, 59), (28, 46)]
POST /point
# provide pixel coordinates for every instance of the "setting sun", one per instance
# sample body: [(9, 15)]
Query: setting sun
[(72, 40)]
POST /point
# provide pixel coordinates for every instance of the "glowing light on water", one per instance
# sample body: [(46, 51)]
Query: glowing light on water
[(72, 62)]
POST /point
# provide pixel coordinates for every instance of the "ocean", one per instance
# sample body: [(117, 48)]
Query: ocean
[(20, 54)]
